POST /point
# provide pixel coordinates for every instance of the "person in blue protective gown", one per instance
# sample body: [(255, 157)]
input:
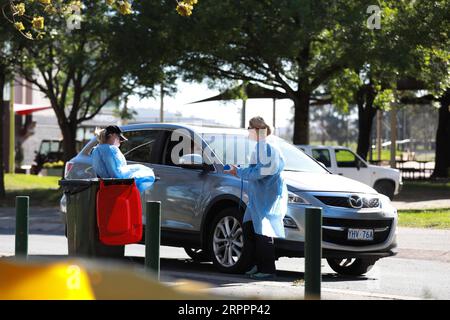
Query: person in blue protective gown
[(267, 200), (109, 162)]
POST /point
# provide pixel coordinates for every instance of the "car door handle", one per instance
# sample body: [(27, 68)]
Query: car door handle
[(341, 174)]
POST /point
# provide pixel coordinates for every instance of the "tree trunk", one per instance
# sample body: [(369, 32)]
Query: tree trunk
[(442, 165), (2, 114), (366, 114), (301, 118), (69, 132)]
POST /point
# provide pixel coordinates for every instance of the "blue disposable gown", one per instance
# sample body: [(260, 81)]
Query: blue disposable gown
[(267, 191), (109, 162)]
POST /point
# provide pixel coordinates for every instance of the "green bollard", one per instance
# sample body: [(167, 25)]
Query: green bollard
[(22, 208), (313, 253), (152, 236)]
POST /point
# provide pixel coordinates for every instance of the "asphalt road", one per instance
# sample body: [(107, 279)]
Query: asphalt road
[(421, 270)]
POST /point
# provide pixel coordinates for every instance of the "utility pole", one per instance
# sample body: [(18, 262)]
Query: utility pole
[(244, 104), (161, 110), (393, 115), (123, 119), (379, 134), (244, 101), (12, 131), (274, 112)]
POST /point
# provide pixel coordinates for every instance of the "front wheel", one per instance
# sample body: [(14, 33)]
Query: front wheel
[(351, 266), (227, 248)]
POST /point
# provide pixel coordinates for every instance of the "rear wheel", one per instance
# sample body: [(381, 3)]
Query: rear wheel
[(385, 187), (197, 254), (351, 266), (227, 249)]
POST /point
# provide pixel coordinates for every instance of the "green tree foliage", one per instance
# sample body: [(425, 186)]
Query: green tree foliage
[(430, 64), (80, 70), (294, 46), (408, 53), (7, 59)]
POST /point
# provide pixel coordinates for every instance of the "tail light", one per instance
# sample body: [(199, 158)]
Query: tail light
[(69, 166)]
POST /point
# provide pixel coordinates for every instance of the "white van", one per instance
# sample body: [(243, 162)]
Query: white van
[(344, 162)]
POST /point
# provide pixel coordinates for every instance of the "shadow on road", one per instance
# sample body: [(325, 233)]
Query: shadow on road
[(173, 270), (206, 272)]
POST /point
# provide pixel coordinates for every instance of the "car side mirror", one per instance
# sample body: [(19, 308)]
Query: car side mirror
[(191, 159), (358, 164)]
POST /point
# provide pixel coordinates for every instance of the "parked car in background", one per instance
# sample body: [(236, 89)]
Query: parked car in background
[(50, 153), (344, 162), (202, 207)]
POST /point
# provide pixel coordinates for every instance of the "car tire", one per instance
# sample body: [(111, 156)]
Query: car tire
[(196, 254), (221, 245), (351, 266), (385, 187)]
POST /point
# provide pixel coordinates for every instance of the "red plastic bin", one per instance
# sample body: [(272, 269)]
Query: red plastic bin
[(119, 212)]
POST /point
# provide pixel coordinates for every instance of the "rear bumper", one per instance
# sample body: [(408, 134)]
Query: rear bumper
[(295, 249)]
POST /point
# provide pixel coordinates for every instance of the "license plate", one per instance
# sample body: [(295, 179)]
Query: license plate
[(360, 234)]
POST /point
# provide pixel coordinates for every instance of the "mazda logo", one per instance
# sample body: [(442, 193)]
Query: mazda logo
[(355, 201)]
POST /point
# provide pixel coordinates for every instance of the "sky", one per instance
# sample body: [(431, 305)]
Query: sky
[(228, 113)]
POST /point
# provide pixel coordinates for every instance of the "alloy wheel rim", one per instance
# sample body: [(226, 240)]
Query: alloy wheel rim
[(228, 241)]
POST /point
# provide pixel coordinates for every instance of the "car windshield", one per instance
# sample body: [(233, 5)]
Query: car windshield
[(48, 146), (237, 149)]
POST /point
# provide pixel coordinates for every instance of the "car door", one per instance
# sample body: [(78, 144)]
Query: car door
[(180, 189), (350, 165)]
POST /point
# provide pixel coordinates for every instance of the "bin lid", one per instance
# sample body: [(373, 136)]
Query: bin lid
[(78, 182), (93, 181)]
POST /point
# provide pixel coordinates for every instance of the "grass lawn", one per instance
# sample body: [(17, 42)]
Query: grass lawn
[(437, 219), (43, 191), (29, 181)]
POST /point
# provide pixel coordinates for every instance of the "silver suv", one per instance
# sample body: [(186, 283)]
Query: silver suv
[(202, 207)]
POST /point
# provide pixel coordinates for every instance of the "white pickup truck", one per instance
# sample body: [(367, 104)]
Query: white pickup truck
[(344, 162)]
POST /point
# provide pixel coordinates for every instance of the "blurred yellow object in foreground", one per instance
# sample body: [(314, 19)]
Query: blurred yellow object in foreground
[(88, 279), (58, 281)]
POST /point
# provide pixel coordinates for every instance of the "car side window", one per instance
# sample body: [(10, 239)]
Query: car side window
[(322, 155), (347, 159), (167, 157), (139, 145)]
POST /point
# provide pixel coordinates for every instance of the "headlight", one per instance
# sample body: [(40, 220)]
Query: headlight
[(295, 198)]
